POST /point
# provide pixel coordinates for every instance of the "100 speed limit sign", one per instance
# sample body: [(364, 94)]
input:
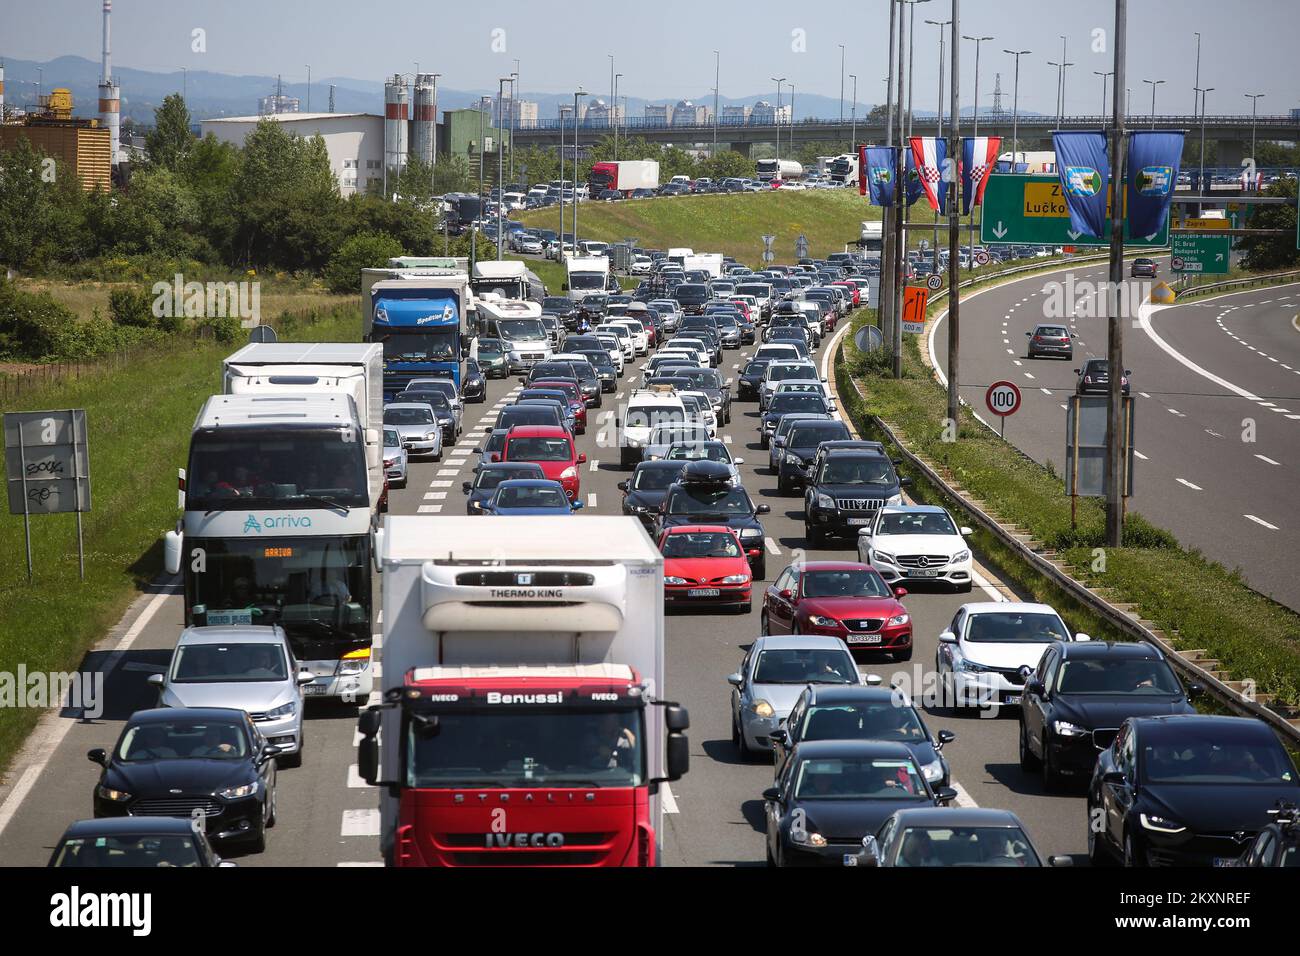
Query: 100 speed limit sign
[(1002, 398)]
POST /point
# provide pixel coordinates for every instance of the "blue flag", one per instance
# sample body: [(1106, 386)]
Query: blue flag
[(1153, 158), (914, 188), (1084, 168), (880, 172)]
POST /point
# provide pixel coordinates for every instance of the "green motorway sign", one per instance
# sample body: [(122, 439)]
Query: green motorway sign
[(1201, 255), (1031, 209)]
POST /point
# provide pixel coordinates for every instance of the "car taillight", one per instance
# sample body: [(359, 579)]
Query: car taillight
[(569, 473)]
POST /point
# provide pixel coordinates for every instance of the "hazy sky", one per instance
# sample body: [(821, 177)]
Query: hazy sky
[(664, 48)]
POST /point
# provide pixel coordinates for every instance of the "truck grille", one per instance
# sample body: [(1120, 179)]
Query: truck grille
[(859, 504), (922, 560), (181, 806)]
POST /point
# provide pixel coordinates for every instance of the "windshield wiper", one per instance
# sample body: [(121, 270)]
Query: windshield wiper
[(328, 501)]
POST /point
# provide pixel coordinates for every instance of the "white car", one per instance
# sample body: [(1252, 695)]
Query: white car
[(640, 337), (989, 647), (687, 356), (641, 265), (911, 543), (614, 347), (625, 339), (706, 413), (711, 451), (395, 462), (666, 436)]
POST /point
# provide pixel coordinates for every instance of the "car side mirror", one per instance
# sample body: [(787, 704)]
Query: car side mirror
[(905, 482), (1128, 372), (737, 461), (478, 451), (1060, 859), (466, 487), (577, 505), (582, 458), (772, 794), (1082, 637), (1195, 690), (945, 737), (944, 796), (622, 486), (763, 509), (1029, 334), (964, 531), (900, 592), (1035, 687), (735, 680), (156, 679), (1076, 371), (947, 637), (1114, 776), (269, 751), (99, 755), (306, 677)]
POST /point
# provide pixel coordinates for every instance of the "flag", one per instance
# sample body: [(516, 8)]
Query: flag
[(914, 188), (1153, 158), (862, 164), (882, 162), (978, 156), (1084, 169), (930, 153)]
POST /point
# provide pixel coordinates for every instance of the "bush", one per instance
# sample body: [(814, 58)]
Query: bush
[(132, 307), (365, 249), (225, 329), (30, 324)]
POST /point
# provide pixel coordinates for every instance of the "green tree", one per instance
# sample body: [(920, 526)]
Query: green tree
[(363, 250), (727, 163), (451, 174), (42, 210), (537, 164), (1273, 252), (170, 139), (157, 214)]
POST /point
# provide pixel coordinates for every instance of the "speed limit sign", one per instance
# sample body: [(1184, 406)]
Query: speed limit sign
[(1002, 399), (935, 281)]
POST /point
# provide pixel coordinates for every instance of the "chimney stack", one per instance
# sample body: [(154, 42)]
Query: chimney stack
[(109, 96)]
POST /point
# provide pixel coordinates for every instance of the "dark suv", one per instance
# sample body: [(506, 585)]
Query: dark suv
[(692, 296), (846, 491), (799, 446), (704, 494)]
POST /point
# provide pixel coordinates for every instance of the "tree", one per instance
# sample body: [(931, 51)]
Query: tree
[(364, 250), (451, 174), (42, 209), (727, 163), (1273, 252), (170, 139)]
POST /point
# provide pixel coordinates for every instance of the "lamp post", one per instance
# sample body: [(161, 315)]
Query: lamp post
[(1154, 84), (939, 132), (576, 94), (853, 135), (308, 87), (614, 115), (501, 170), (1015, 105), (1203, 92), (1060, 88), (514, 111), (841, 46), (1254, 98), (977, 41), (717, 73), (776, 117), (1196, 87), (1104, 77), (911, 36)]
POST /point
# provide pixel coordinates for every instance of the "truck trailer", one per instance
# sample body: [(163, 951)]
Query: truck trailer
[(523, 720), (625, 176)]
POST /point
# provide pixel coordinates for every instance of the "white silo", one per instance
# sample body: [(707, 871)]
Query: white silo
[(395, 119), (424, 118)]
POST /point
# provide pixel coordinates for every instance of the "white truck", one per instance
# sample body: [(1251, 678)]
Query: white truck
[(508, 278), (710, 262), (586, 275), (770, 169), (523, 720), (646, 408)]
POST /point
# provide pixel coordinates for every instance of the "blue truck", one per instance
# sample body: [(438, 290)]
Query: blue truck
[(419, 317)]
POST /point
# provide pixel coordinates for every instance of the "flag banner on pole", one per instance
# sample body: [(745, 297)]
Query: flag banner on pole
[(862, 164), (978, 156), (881, 163), (914, 188), (1084, 169), (1153, 157), (930, 153)]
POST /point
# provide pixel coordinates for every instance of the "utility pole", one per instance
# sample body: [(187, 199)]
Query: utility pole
[(501, 169), (1254, 97), (841, 46), (970, 223), (853, 135), (1060, 108), (1203, 91), (954, 209), (777, 119), (308, 87), (614, 115), (560, 255), (900, 214), (1154, 84), (1115, 430), (1015, 106), (514, 114), (939, 132), (1196, 87), (613, 98)]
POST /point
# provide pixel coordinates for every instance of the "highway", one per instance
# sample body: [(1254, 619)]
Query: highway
[(328, 817), (1217, 383)]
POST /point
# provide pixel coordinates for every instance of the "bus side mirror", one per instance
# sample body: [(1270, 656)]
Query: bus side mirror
[(368, 758)]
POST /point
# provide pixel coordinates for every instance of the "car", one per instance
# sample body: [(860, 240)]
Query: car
[(843, 599), (473, 383), (712, 450), (486, 478), (1186, 790), (120, 842), (704, 493), (176, 761), (777, 372), (984, 652), (809, 386), (437, 384), (1050, 339), (1143, 267), (493, 357), (664, 437), (706, 565), (917, 543), (247, 667), (711, 383), (775, 448), (863, 712), (551, 447), (750, 378), (795, 445), (832, 793), (698, 407), (495, 444), (845, 489), (563, 307), (417, 427), (1094, 378), (442, 410), (788, 403), (645, 490), (1278, 844), (530, 496), (573, 396), (395, 462), (1079, 694), (952, 836), (558, 397)]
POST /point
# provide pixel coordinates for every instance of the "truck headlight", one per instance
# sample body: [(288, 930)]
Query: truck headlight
[(1067, 729), (354, 662)]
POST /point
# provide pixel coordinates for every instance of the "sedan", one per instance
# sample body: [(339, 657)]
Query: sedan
[(474, 383), (176, 762), (1094, 378), (784, 404), (246, 667), (841, 599), (773, 674), (966, 836), (910, 543), (551, 447), (486, 478), (706, 565), (530, 496), (644, 492), (135, 841)]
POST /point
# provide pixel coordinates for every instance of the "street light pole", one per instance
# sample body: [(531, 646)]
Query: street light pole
[(501, 169), (717, 74), (308, 87), (911, 37), (614, 115), (939, 132), (954, 208), (1015, 106), (853, 134), (576, 94), (1060, 85), (970, 222), (514, 111), (888, 253), (1104, 77), (776, 118), (1254, 97), (841, 46), (1154, 84), (1203, 91)]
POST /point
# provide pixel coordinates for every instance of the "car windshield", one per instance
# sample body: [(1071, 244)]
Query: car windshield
[(520, 329), (778, 372), (229, 663), (755, 368), (654, 479), (1124, 676), (1015, 627), (797, 402), (850, 582), (129, 850), (695, 451), (916, 522), (1053, 330), (437, 399), (809, 436), (490, 348), (181, 739), (408, 416), (650, 415), (679, 434), (1213, 756), (887, 719), (857, 471), (859, 778), (701, 544), (796, 666), (391, 438), (489, 478), (727, 500), (538, 449), (800, 388), (530, 496), (965, 846)]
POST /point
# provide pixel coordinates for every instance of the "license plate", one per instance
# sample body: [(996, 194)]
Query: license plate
[(859, 521), (850, 859), (1225, 861), (1013, 698), (314, 690), (863, 639), (923, 574), (703, 592)]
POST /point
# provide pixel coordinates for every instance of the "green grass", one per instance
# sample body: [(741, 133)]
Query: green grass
[(139, 419)]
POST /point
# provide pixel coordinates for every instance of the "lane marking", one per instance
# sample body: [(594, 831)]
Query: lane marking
[(1135, 451), (360, 823), (429, 509), (669, 801), (1265, 458), (1184, 481), (771, 546), (1271, 527), (591, 500)]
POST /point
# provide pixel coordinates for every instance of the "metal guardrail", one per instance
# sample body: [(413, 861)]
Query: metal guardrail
[(1246, 282)]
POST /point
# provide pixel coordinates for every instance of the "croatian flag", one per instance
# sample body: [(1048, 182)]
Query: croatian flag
[(930, 154), (978, 155)]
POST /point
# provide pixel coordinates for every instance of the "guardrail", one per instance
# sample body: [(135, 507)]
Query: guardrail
[(1246, 282)]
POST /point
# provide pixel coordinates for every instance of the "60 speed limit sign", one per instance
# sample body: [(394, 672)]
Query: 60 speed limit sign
[(1002, 398)]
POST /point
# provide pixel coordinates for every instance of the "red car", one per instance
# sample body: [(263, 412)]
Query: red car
[(843, 599), (706, 564), (852, 289), (551, 447), (577, 404), (743, 306)]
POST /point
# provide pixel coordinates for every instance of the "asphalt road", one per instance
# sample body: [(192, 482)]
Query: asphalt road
[(328, 817), (1217, 383)]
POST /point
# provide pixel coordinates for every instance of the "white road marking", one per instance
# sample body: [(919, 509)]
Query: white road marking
[(1144, 394), (593, 465), (1029, 374), (446, 472), (668, 800), (1139, 454), (428, 509), (1046, 391), (1174, 411), (1271, 527), (591, 500), (1017, 362), (1184, 481), (987, 587), (360, 823), (1265, 458), (457, 461), (964, 799), (771, 546)]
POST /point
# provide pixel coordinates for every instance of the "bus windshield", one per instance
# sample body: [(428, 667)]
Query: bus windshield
[(276, 468)]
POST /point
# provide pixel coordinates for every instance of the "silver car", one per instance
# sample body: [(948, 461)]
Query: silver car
[(394, 458), (249, 667), (448, 388), (773, 675), (417, 426)]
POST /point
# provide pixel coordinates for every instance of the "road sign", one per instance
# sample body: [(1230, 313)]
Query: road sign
[(1031, 209), (981, 258), (1206, 223), (801, 247), (868, 338), (1086, 448), (934, 282), (47, 468), (768, 254), (915, 298), (1002, 398), (262, 333), (1201, 255)]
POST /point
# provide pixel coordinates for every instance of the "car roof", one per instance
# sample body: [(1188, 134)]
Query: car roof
[(832, 694), (159, 715), (1126, 650), (958, 817), (1001, 607), (143, 825), (537, 431), (232, 634), (818, 749), (684, 528), (800, 642), (807, 566), (531, 483), (912, 510), (407, 405)]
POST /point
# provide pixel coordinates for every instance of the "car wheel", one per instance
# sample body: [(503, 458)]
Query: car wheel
[(782, 486), (258, 843), (1098, 855), (1028, 761), (762, 441), (762, 625), (1051, 779), (1133, 853), (438, 455), (271, 814)]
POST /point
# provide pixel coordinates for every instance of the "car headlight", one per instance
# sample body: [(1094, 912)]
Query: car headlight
[(1160, 824), (234, 793), (673, 579), (1067, 729), (825, 501), (284, 710), (960, 556), (812, 839), (751, 532), (108, 793), (476, 505), (735, 579), (898, 619), (431, 436), (794, 460), (894, 500), (822, 621), (763, 709), (971, 667), (933, 771), (354, 662), (883, 556)]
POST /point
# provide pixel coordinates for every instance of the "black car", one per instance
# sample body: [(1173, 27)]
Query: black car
[(704, 494), (862, 712), (832, 793), (783, 404), (1278, 844), (493, 446), (1143, 268), (748, 381), (846, 491), (584, 373), (799, 446), (1186, 791), (493, 358), (1077, 697), (149, 841), (473, 385), (606, 373), (1094, 378), (952, 836), (176, 761), (563, 308), (488, 476), (645, 491), (706, 380), (1047, 339), (691, 296)]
